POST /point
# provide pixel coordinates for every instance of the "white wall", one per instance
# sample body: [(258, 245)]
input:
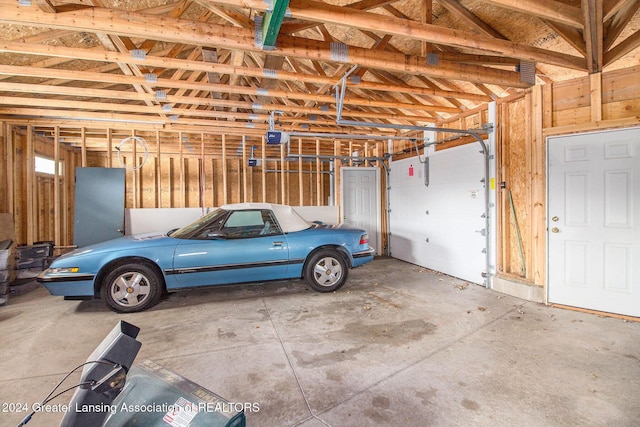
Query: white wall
[(437, 226), (144, 220)]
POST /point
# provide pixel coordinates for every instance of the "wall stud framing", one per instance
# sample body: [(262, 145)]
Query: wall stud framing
[(56, 183)]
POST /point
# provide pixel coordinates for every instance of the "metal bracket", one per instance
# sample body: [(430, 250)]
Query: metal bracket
[(341, 89)]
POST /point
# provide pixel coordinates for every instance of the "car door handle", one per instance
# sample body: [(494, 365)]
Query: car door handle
[(277, 243)]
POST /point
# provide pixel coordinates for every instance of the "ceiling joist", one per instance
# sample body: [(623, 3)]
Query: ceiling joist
[(204, 61)]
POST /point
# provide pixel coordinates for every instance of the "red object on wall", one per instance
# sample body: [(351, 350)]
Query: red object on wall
[(410, 170)]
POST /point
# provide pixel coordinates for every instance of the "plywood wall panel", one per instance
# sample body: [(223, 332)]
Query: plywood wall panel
[(623, 109), (572, 116), (571, 94), (517, 194), (192, 182), (620, 98), (621, 85), (147, 183), (218, 189)]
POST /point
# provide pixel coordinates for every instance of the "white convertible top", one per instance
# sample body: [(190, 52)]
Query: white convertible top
[(287, 217)]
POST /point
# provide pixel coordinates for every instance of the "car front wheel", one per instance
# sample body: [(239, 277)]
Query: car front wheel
[(130, 288), (326, 271)]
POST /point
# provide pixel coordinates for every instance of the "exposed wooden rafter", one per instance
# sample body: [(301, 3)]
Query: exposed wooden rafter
[(416, 60)]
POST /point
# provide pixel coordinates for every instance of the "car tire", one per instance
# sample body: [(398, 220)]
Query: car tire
[(130, 288), (326, 271)]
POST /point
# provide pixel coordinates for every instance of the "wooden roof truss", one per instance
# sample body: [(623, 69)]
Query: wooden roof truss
[(203, 64)]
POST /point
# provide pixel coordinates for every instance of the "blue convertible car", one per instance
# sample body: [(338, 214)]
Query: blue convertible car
[(238, 243)]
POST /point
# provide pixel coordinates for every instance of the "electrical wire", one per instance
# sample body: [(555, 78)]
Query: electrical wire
[(50, 396), (26, 419), (134, 140)]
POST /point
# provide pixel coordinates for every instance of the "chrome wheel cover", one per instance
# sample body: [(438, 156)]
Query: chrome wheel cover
[(327, 271), (130, 289)]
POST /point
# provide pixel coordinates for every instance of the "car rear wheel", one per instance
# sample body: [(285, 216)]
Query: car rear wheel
[(326, 271), (130, 288)]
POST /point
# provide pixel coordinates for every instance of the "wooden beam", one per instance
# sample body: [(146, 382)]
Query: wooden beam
[(225, 183), (237, 59), (45, 5), (538, 188), (234, 17), (571, 35), (57, 237), (198, 33), (468, 18), (158, 171), (30, 184), (121, 108), (593, 34), (619, 22), (135, 172), (211, 56), (215, 68), (126, 114), (622, 48), (595, 84), (321, 12), (546, 9), (83, 148), (294, 27), (109, 148), (611, 7), (426, 17), (263, 163), (245, 170), (283, 177), (166, 83), (319, 201)]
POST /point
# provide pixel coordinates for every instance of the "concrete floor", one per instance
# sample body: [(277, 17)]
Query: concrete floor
[(397, 346)]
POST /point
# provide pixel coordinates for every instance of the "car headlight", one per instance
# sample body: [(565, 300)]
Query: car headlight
[(63, 270)]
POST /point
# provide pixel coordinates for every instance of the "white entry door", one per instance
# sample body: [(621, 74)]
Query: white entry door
[(594, 221), (361, 201)]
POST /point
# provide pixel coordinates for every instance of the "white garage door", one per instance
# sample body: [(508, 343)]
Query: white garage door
[(594, 221), (439, 226)]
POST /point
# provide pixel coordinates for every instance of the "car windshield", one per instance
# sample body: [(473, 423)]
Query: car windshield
[(210, 222)]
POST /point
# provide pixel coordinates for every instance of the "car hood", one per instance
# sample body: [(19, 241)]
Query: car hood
[(136, 241)]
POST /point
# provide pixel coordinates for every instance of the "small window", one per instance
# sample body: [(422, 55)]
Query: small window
[(47, 166)]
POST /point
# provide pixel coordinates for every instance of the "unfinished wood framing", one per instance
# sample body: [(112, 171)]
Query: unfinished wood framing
[(524, 122), (42, 204), (78, 78)]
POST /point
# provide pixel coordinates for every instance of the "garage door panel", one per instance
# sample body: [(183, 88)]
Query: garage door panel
[(440, 226)]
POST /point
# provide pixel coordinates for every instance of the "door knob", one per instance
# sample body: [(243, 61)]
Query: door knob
[(555, 230)]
